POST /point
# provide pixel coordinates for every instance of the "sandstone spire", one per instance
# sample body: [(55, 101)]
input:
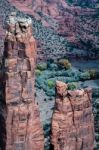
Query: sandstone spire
[(23, 127), (72, 121)]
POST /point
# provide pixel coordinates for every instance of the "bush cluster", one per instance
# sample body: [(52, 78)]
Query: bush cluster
[(92, 73), (64, 63), (41, 66), (72, 86), (50, 84), (38, 72)]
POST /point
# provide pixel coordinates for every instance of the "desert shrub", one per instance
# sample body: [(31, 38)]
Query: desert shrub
[(95, 92), (97, 135), (70, 79), (50, 84), (38, 72), (47, 74), (64, 63), (85, 76), (39, 81), (42, 66), (72, 86), (50, 61), (92, 73), (71, 72), (53, 66), (46, 128)]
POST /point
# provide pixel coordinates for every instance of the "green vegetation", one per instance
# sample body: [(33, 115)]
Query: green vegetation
[(96, 92), (52, 66), (64, 63), (42, 66), (92, 73), (83, 3), (85, 76), (72, 86), (51, 41), (50, 84), (46, 128), (49, 73), (38, 72)]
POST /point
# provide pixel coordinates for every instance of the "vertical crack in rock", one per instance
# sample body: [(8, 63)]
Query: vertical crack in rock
[(22, 124), (73, 118), (72, 121)]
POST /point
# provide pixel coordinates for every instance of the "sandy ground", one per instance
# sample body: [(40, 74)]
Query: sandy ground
[(45, 105)]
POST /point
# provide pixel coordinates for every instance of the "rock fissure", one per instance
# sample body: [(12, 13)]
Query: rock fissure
[(73, 119)]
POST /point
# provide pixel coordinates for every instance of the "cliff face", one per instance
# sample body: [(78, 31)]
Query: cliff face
[(23, 127), (72, 121), (69, 18), (56, 23)]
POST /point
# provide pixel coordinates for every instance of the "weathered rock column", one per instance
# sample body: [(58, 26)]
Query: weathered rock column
[(72, 121), (23, 127)]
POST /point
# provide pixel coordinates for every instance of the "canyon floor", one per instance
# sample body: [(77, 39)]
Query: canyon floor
[(47, 102)]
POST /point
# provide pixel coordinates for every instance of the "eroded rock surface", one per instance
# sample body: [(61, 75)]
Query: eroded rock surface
[(23, 127), (69, 18), (72, 121)]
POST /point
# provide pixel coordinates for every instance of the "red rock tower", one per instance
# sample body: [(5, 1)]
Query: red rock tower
[(72, 121), (23, 127)]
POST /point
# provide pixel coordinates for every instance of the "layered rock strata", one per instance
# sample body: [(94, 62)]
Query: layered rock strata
[(23, 127), (68, 18), (72, 121)]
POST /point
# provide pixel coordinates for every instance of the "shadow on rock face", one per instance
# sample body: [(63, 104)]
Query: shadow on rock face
[(3, 108), (51, 147)]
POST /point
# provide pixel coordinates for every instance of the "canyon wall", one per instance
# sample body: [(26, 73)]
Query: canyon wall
[(62, 25), (72, 121), (55, 25), (79, 25), (23, 127)]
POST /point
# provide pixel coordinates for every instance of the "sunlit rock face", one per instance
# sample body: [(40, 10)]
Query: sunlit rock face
[(72, 121), (76, 20), (23, 127)]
